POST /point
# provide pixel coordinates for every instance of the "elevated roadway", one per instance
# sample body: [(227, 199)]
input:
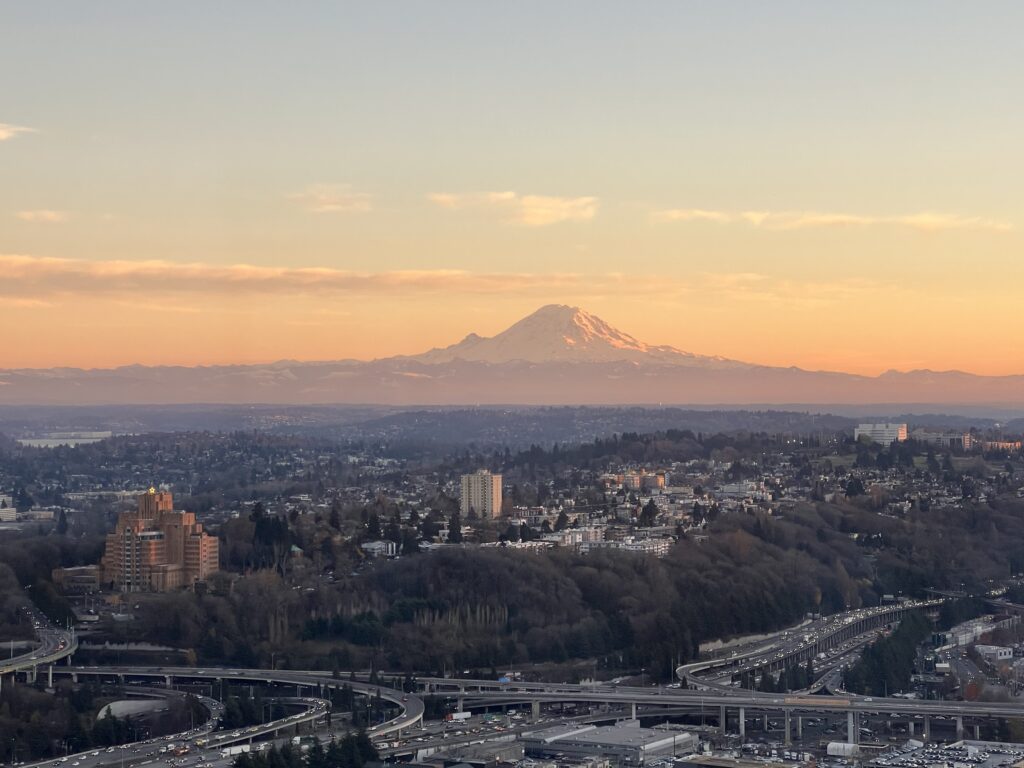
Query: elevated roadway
[(315, 684), (54, 644)]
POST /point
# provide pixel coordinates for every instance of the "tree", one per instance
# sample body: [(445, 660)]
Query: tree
[(648, 514), (455, 528), (855, 487)]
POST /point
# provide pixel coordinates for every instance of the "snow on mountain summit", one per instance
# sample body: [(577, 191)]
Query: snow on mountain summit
[(559, 333)]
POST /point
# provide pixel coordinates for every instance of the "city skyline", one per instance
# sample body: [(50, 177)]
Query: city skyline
[(786, 186)]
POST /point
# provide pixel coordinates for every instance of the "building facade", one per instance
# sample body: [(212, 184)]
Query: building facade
[(883, 434), (155, 548), (481, 493), (957, 440)]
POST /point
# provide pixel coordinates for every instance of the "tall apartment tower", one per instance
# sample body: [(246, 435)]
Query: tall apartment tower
[(154, 548), (481, 493)]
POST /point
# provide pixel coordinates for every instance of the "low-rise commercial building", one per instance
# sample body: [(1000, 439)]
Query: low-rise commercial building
[(624, 745)]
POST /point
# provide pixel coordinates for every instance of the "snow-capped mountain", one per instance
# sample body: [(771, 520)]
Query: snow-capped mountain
[(558, 333), (558, 355)]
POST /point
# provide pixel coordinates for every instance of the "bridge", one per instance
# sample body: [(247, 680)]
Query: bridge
[(54, 644)]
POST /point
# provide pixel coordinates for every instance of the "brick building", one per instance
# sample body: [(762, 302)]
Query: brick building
[(155, 548)]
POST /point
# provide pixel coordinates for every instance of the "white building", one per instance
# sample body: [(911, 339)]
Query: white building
[(883, 434), (383, 548), (481, 493), (994, 653)]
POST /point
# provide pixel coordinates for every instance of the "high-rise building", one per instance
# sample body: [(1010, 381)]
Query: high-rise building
[(481, 493), (155, 548), (883, 434)]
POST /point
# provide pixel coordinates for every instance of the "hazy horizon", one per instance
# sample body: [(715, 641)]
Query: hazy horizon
[(456, 343)]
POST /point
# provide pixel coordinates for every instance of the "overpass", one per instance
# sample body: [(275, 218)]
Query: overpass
[(54, 644), (316, 685), (310, 687), (789, 706)]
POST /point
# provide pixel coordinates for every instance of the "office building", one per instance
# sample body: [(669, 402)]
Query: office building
[(955, 439), (154, 548), (883, 434), (481, 494)]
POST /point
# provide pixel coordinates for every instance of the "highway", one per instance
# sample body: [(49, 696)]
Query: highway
[(317, 683), (810, 642), (314, 712), (141, 751), (54, 644), (835, 637)]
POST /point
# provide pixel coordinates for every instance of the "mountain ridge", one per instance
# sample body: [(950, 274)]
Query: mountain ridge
[(557, 355)]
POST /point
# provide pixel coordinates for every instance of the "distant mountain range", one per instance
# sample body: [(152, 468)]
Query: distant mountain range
[(557, 355)]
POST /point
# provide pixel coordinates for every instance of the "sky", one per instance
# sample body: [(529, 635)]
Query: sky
[(829, 185)]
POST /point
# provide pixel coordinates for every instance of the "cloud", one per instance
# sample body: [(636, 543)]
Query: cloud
[(794, 220), (41, 216), (333, 198), (188, 287), (525, 210), (46, 276), (8, 131)]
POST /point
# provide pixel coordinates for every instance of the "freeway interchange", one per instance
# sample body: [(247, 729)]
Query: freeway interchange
[(707, 687)]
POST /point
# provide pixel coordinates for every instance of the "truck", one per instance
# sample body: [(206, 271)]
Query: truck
[(235, 750), (458, 716)]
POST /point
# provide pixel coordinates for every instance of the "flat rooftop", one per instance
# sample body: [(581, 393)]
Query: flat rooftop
[(978, 754)]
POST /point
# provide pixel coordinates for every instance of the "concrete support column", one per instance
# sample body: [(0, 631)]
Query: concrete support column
[(765, 724), (168, 681), (459, 704), (788, 738), (959, 727), (851, 729), (74, 677), (910, 728), (800, 728), (977, 732), (632, 711), (722, 719), (534, 710), (927, 728), (743, 724), (49, 676)]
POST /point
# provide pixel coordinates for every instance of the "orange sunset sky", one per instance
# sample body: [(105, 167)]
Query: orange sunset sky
[(832, 186)]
